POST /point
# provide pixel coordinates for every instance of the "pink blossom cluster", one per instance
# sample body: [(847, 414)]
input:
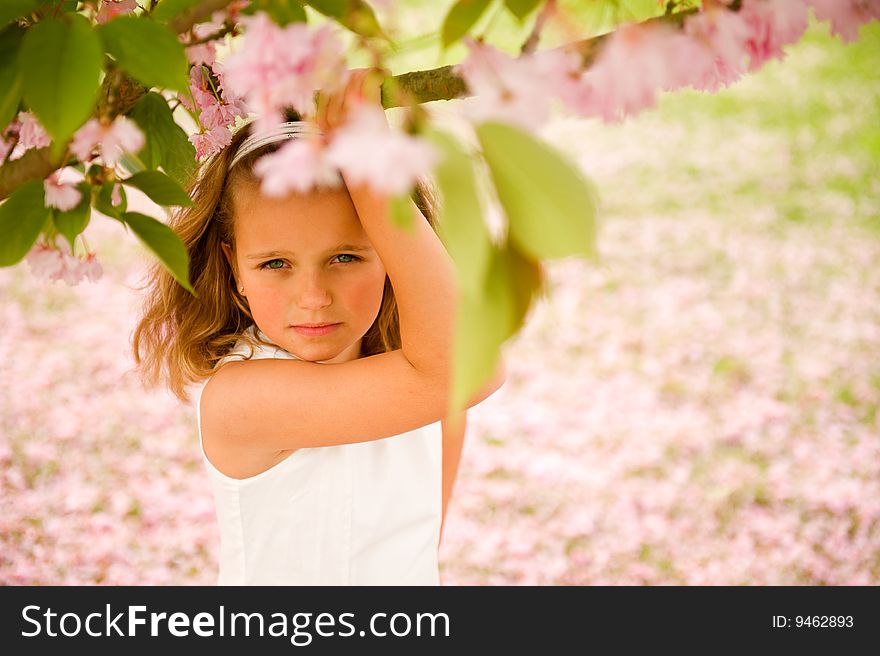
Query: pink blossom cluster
[(206, 53), (846, 16), (283, 67), (30, 133), (94, 138), (637, 61), (517, 91), (60, 195), (216, 106), (57, 262), (107, 141), (364, 150)]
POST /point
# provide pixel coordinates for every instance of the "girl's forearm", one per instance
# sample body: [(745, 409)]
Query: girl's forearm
[(423, 276)]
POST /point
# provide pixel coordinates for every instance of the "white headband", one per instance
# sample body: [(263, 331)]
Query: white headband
[(282, 131)]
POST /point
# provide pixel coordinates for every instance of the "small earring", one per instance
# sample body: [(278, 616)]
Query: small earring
[(241, 289)]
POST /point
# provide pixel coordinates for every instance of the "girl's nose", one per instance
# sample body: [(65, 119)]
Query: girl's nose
[(313, 292)]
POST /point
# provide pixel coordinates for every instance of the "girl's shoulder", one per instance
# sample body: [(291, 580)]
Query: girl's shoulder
[(231, 460), (253, 344)]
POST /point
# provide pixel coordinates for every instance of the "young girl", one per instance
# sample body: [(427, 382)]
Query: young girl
[(322, 444)]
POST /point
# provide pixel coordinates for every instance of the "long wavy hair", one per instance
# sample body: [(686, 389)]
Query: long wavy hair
[(179, 338)]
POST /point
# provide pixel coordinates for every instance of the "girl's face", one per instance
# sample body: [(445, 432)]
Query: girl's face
[(305, 259)]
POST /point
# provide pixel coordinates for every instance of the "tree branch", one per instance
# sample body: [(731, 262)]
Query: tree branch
[(35, 164)]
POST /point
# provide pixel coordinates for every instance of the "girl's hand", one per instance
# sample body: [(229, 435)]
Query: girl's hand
[(362, 85)]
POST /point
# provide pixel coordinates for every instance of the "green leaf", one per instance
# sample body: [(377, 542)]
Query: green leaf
[(72, 222), (148, 51), (22, 217), (523, 277), (282, 12), (461, 18), (332, 8), (461, 226), (168, 9), (165, 243), (67, 5), (482, 323), (401, 212), (521, 8), (356, 15), (639, 10), (485, 320), (61, 60), (159, 187), (167, 144), (11, 81), (11, 10), (550, 206), (132, 163), (104, 201), (476, 351), (595, 17)]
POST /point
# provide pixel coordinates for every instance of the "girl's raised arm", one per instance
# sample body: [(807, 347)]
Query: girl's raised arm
[(275, 404), (421, 271)]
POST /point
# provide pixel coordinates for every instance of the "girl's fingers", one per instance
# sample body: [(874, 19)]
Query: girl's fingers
[(360, 84), (372, 87)]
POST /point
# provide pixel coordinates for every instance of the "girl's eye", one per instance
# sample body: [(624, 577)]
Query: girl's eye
[(265, 265)]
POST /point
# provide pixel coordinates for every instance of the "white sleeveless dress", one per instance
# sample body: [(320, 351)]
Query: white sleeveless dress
[(355, 514)]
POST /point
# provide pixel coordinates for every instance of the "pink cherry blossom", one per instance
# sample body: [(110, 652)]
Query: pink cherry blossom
[(773, 24), (202, 53), (230, 97), (32, 135), (299, 165), (367, 151), (61, 196), (233, 8), (57, 262), (846, 16), (211, 141), (564, 68), (112, 8), (686, 61), (46, 262), (634, 63), (116, 195), (214, 109), (217, 114), (277, 67), (200, 85), (91, 268), (516, 90), (111, 140), (725, 34)]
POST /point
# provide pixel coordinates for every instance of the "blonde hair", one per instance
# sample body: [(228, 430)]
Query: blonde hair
[(179, 338)]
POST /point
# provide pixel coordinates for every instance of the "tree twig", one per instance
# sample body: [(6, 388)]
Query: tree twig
[(531, 42)]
